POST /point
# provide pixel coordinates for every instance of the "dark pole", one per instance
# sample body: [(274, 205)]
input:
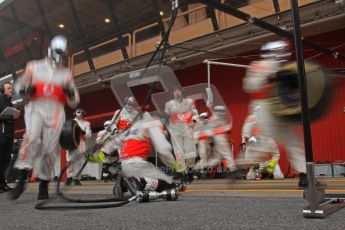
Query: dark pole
[(302, 81)]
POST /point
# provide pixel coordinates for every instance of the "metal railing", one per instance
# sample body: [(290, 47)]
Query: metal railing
[(191, 29), (105, 58)]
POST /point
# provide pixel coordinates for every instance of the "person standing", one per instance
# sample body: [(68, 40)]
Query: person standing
[(203, 144), (216, 132), (181, 111), (50, 86), (86, 133), (6, 133), (260, 83)]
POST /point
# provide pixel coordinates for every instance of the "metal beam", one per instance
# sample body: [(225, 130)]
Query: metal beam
[(81, 33), (276, 6), (53, 14), (157, 9), (255, 21), (116, 29), (21, 25), (44, 18), (9, 66), (22, 35), (213, 18)]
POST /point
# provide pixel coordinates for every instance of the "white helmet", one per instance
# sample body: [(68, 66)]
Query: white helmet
[(130, 103), (203, 115), (80, 112), (57, 48), (276, 50), (107, 124), (219, 109), (257, 109)]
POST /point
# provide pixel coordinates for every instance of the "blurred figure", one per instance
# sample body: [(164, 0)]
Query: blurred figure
[(260, 83), (6, 133), (257, 147), (181, 111), (50, 86), (215, 132), (203, 143), (85, 133), (105, 167), (101, 133), (116, 130), (144, 134), (121, 121)]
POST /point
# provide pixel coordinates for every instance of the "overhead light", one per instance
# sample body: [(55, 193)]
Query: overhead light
[(61, 26), (161, 13), (107, 20), (35, 38)]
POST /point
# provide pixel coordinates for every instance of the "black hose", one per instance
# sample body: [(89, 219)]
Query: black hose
[(71, 202), (45, 205), (165, 47)]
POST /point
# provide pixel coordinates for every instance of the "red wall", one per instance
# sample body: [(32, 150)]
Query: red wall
[(327, 133)]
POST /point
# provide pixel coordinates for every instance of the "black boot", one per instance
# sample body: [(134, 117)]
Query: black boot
[(4, 188), (235, 174), (43, 190), (20, 187), (303, 180), (76, 182), (68, 181)]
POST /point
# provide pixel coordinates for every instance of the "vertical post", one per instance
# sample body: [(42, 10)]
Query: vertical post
[(302, 81), (311, 189), (156, 158), (332, 169), (209, 102), (209, 75)]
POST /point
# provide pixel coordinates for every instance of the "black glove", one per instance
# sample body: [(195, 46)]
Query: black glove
[(271, 79), (70, 92), (31, 90), (243, 146)]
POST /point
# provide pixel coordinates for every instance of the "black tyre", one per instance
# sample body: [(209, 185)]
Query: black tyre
[(117, 189), (70, 135)]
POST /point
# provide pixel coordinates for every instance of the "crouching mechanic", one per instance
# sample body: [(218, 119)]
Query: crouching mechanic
[(86, 133), (50, 86), (145, 134), (257, 147), (122, 119)]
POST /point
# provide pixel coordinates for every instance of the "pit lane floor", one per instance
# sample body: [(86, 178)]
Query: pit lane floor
[(207, 204)]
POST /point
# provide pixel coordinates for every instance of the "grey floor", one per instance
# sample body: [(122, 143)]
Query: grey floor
[(189, 212)]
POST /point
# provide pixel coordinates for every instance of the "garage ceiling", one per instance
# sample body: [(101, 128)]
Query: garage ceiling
[(27, 25)]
